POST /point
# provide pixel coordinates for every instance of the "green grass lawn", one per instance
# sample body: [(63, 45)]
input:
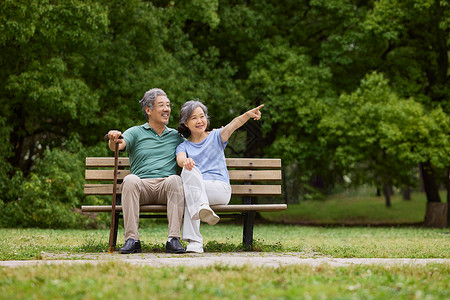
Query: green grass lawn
[(388, 242), (124, 281), (354, 208), (335, 241), (107, 280)]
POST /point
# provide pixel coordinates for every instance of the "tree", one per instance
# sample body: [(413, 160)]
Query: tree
[(71, 66), (414, 40), (44, 49), (79, 68), (380, 138), (295, 97)]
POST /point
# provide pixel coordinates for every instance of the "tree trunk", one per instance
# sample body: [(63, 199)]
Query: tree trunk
[(436, 215), (421, 185), (391, 190), (387, 194), (406, 193), (429, 183)]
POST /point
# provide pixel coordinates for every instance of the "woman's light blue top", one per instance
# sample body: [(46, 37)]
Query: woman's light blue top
[(208, 156)]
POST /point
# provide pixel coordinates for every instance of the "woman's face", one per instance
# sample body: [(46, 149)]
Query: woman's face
[(197, 122)]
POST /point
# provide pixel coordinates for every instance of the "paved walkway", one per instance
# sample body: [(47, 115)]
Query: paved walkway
[(256, 259)]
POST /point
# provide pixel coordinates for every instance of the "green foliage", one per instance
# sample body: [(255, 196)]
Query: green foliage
[(296, 94), (51, 93), (200, 11), (80, 67), (415, 47), (47, 198), (45, 50), (5, 153), (379, 138), (36, 209)]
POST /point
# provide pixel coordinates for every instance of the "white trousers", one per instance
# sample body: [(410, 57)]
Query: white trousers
[(197, 192)]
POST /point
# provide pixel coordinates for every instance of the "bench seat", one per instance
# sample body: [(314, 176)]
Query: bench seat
[(216, 208)]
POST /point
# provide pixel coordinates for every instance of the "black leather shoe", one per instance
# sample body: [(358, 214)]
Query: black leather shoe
[(131, 246), (174, 246)]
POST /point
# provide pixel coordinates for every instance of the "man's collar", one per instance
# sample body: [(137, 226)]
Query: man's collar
[(146, 126)]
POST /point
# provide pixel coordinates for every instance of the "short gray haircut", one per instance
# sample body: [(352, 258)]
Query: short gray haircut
[(186, 112), (149, 98)]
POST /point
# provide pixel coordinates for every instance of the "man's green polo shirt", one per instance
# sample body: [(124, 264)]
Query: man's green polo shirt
[(151, 155)]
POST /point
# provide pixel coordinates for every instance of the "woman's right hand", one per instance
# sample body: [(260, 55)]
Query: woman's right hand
[(188, 164), (254, 113)]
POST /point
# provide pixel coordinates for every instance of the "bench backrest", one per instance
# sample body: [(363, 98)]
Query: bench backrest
[(248, 176)]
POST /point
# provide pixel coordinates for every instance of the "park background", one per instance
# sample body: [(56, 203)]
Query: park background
[(356, 97)]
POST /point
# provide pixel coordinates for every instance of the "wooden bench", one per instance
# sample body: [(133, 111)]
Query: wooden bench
[(249, 177)]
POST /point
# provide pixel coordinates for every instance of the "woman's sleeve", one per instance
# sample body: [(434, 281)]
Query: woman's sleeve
[(218, 138), (181, 148)]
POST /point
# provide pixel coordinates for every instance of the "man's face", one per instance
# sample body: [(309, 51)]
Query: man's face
[(161, 110)]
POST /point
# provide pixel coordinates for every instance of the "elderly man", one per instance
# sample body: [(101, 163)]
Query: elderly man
[(152, 179)]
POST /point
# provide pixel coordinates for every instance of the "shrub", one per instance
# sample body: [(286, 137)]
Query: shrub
[(47, 198)]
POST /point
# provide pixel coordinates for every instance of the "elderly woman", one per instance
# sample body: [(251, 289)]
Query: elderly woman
[(205, 176)]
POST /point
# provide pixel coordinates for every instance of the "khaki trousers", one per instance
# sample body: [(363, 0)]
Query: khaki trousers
[(136, 192)]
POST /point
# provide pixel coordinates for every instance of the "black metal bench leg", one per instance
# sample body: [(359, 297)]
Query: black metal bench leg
[(249, 220)]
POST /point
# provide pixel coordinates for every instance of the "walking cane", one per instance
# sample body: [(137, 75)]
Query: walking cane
[(114, 196)]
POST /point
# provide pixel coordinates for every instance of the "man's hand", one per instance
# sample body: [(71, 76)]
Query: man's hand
[(114, 136), (188, 164)]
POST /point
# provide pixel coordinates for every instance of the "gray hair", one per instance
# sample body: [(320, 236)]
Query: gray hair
[(149, 98), (186, 112)]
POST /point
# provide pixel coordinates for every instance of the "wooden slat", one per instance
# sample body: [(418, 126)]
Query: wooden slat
[(107, 208), (247, 175), (248, 207), (256, 190), (105, 174), (237, 190), (235, 175), (216, 208), (92, 162), (248, 163), (254, 163), (101, 189)]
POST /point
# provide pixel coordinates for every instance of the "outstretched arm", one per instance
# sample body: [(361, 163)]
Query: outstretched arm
[(237, 122)]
